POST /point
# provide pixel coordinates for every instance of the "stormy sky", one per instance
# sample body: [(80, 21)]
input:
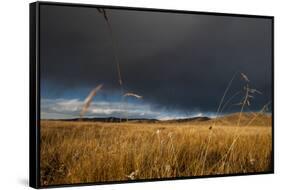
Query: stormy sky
[(180, 63)]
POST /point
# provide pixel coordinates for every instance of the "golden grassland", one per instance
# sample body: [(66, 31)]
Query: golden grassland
[(81, 152)]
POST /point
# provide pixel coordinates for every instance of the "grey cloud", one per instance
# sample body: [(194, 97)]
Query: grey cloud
[(176, 61)]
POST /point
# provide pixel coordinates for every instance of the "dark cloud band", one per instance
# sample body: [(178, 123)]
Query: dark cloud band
[(176, 61)]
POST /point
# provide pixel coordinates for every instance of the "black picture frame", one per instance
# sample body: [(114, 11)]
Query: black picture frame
[(34, 93)]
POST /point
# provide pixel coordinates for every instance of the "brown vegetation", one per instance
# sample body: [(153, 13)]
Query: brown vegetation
[(80, 152)]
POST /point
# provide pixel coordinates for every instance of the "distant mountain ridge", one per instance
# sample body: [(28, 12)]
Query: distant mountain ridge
[(116, 119), (110, 119), (230, 119)]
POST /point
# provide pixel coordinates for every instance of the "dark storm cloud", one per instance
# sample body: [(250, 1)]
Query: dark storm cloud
[(180, 61)]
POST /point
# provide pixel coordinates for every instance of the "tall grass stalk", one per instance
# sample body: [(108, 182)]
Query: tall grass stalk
[(214, 123)]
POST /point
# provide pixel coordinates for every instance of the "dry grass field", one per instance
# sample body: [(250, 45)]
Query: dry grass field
[(80, 151)]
